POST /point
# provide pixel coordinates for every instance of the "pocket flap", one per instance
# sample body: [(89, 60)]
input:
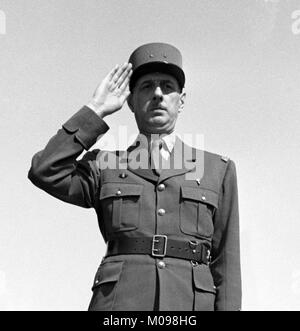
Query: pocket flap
[(200, 194), (203, 279), (108, 272), (119, 190)]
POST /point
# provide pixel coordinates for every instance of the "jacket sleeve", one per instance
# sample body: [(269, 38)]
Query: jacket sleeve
[(225, 264), (55, 168)]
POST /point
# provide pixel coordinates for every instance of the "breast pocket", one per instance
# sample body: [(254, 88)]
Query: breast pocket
[(197, 207), (121, 204)]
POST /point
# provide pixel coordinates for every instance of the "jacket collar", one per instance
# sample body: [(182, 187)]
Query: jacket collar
[(182, 160), (168, 140)]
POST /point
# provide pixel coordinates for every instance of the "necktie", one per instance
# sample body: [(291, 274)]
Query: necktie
[(156, 157)]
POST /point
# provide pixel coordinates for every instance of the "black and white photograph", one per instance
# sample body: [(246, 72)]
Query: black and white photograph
[(152, 154)]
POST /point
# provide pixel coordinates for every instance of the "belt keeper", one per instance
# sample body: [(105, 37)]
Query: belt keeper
[(208, 256), (194, 263), (193, 244)]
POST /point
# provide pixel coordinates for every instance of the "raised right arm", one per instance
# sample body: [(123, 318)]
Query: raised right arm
[(55, 169)]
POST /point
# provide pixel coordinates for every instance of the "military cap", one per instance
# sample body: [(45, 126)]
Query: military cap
[(156, 57)]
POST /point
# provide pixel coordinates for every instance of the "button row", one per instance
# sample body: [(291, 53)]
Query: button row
[(161, 264), (161, 212), (161, 187)]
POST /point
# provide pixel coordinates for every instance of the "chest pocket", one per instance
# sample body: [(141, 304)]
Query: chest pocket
[(197, 207), (121, 205)]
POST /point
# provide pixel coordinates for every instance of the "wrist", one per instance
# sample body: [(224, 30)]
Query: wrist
[(98, 109)]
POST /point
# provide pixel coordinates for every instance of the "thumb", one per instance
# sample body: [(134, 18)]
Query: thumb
[(125, 95)]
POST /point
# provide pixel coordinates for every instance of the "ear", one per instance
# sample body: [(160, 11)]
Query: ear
[(130, 102), (182, 100)]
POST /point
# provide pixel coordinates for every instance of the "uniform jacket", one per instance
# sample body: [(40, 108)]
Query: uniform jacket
[(206, 211)]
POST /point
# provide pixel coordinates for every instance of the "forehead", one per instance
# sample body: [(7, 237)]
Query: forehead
[(156, 76)]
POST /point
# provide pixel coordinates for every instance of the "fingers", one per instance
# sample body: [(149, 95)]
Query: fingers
[(125, 81), (121, 74), (124, 76), (113, 72)]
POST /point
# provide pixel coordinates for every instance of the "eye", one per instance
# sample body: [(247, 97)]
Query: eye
[(145, 86), (168, 87), (168, 84)]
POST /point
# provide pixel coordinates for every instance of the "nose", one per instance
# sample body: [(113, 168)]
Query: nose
[(158, 95)]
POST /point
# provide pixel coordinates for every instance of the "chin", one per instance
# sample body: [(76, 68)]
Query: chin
[(159, 129), (158, 121), (156, 125)]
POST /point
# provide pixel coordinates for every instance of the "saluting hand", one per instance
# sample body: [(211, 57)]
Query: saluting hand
[(113, 91)]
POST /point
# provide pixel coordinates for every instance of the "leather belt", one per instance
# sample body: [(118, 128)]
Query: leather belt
[(160, 246)]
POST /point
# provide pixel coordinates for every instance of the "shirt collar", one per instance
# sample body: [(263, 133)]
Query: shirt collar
[(167, 139)]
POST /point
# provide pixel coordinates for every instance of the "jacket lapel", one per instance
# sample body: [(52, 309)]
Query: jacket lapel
[(182, 160), (146, 173)]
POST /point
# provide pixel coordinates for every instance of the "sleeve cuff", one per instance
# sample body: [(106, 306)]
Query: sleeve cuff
[(87, 126)]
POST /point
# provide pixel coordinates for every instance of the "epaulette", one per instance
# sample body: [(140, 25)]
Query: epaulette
[(225, 158)]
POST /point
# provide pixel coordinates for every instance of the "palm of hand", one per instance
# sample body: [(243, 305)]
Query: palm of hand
[(113, 90)]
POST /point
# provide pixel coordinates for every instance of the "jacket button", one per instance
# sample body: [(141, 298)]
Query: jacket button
[(161, 264), (161, 212), (118, 192), (161, 187)]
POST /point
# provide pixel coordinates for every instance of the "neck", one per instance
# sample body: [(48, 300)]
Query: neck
[(148, 134)]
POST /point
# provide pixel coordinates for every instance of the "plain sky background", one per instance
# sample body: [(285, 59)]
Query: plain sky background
[(242, 63)]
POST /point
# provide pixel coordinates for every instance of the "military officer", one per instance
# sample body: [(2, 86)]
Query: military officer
[(172, 242)]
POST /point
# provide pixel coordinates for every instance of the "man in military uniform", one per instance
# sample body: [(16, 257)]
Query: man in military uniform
[(172, 241)]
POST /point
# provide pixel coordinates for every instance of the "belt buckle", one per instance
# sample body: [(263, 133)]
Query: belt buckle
[(155, 240)]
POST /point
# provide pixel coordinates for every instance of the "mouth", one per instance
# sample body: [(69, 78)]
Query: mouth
[(157, 112), (158, 108)]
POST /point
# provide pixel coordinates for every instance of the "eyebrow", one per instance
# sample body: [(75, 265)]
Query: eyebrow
[(164, 81)]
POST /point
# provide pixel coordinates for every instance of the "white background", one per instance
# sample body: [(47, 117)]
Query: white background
[(241, 60)]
